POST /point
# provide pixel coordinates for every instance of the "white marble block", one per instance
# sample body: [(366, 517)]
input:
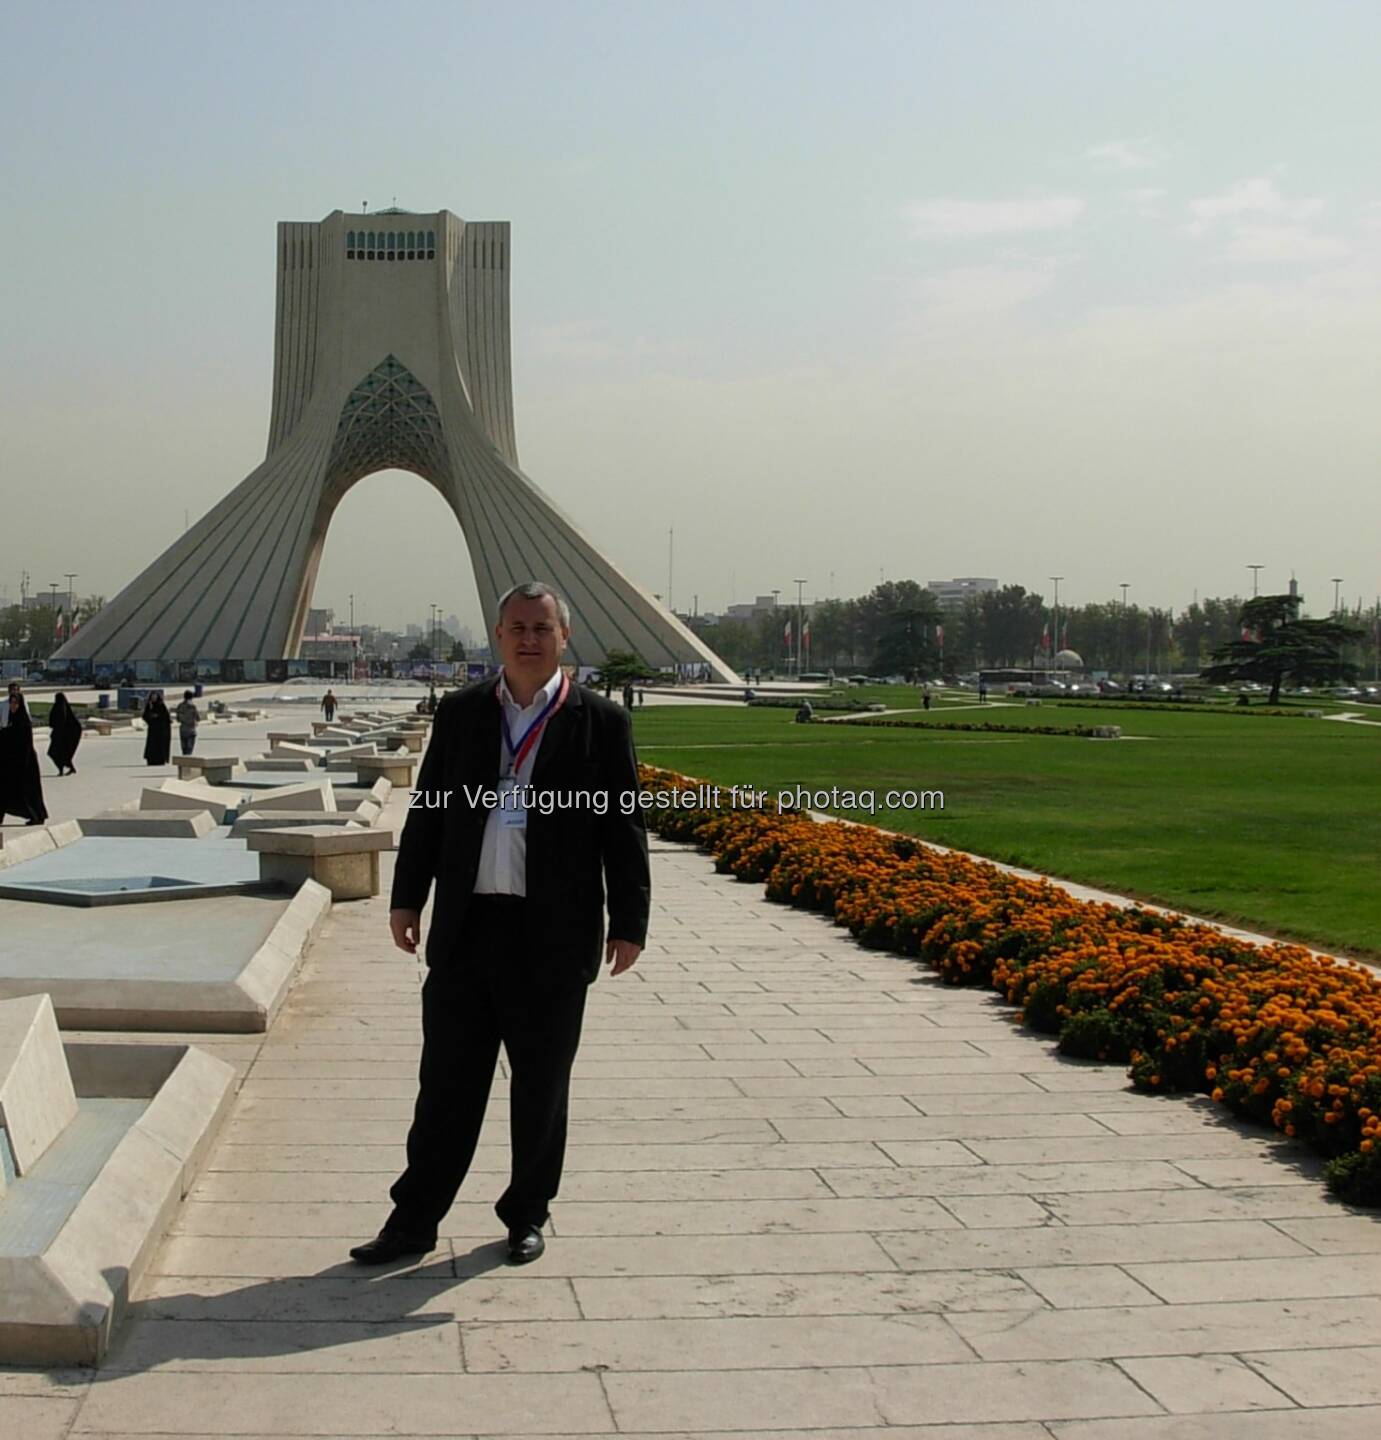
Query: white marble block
[(315, 795), (37, 1101)]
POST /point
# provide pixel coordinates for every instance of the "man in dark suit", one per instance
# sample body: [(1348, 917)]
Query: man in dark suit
[(517, 924)]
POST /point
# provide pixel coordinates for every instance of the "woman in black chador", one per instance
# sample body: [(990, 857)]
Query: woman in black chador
[(159, 743), (64, 735), (21, 788)]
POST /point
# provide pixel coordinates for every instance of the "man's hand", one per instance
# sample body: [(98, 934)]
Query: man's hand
[(622, 952), (406, 927)]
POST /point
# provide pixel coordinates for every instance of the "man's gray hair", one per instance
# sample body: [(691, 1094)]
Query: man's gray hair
[(534, 590)]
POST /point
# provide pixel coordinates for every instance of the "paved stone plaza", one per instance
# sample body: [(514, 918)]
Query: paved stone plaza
[(807, 1189)]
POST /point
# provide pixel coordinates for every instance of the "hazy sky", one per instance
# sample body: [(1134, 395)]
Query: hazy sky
[(930, 289)]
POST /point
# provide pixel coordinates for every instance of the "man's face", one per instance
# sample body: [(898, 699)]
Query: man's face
[(531, 637)]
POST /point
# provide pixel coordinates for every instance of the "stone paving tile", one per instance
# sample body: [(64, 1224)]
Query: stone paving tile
[(1322, 1424), (1279, 1279), (33, 1417), (1187, 1384), (979, 1179), (1337, 1375), (1081, 1287), (853, 1293), (891, 1129), (1172, 1329), (631, 1255), (904, 1395), (1338, 1234), (1090, 1245), (737, 1343), (1274, 1202), (752, 1217), (361, 1297), (412, 1345), (162, 1402)]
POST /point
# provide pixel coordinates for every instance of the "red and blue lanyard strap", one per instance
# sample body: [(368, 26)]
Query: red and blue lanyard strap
[(529, 738)]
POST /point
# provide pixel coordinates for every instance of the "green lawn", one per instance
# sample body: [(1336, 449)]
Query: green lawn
[(1272, 823)]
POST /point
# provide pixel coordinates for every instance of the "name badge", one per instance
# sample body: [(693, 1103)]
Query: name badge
[(512, 813)]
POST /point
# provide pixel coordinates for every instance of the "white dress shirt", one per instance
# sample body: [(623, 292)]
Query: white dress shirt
[(503, 851)]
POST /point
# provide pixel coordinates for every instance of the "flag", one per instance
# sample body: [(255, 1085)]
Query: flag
[(1045, 636), (940, 636), (58, 626), (786, 635)]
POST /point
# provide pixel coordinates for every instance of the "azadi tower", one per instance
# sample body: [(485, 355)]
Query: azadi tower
[(391, 352)]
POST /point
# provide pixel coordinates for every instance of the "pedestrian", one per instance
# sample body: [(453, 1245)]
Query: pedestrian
[(64, 735), (328, 706), (158, 743), (21, 785), (517, 924), (982, 692), (188, 717), (925, 698)]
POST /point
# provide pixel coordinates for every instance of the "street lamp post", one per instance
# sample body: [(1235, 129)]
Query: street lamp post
[(1337, 602), (1055, 640), (1122, 634), (1255, 569), (799, 613)]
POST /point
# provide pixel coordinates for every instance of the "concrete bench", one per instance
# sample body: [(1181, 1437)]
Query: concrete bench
[(291, 750), (344, 759), (397, 768), (409, 741), (314, 795), (189, 795), (160, 824), (289, 737), (342, 858), (251, 820), (96, 726), (214, 769)]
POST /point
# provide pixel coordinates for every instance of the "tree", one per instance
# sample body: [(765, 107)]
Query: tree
[(1012, 619), (458, 653), (620, 668), (420, 651), (1275, 646), (907, 643)]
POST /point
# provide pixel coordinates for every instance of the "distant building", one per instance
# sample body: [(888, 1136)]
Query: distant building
[(761, 606), (951, 594), (320, 622)]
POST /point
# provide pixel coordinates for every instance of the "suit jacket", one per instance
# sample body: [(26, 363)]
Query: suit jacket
[(572, 853)]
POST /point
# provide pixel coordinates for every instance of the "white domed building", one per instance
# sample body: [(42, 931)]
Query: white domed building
[(1069, 661)]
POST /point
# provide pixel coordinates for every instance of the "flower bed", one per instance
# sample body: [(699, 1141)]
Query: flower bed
[(1275, 1032)]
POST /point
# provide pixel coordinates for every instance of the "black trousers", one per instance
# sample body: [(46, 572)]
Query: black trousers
[(498, 992)]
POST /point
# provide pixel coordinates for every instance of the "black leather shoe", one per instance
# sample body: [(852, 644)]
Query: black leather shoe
[(391, 1245), (525, 1244)]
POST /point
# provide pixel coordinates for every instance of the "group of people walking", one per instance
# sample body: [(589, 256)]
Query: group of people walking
[(158, 725), (21, 785)]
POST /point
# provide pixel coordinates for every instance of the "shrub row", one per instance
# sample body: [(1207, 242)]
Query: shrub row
[(1276, 1033), (884, 722)]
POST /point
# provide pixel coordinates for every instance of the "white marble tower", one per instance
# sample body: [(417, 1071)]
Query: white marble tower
[(391, 351)]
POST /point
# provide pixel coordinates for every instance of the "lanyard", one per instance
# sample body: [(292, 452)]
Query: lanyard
[(533, 733)]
